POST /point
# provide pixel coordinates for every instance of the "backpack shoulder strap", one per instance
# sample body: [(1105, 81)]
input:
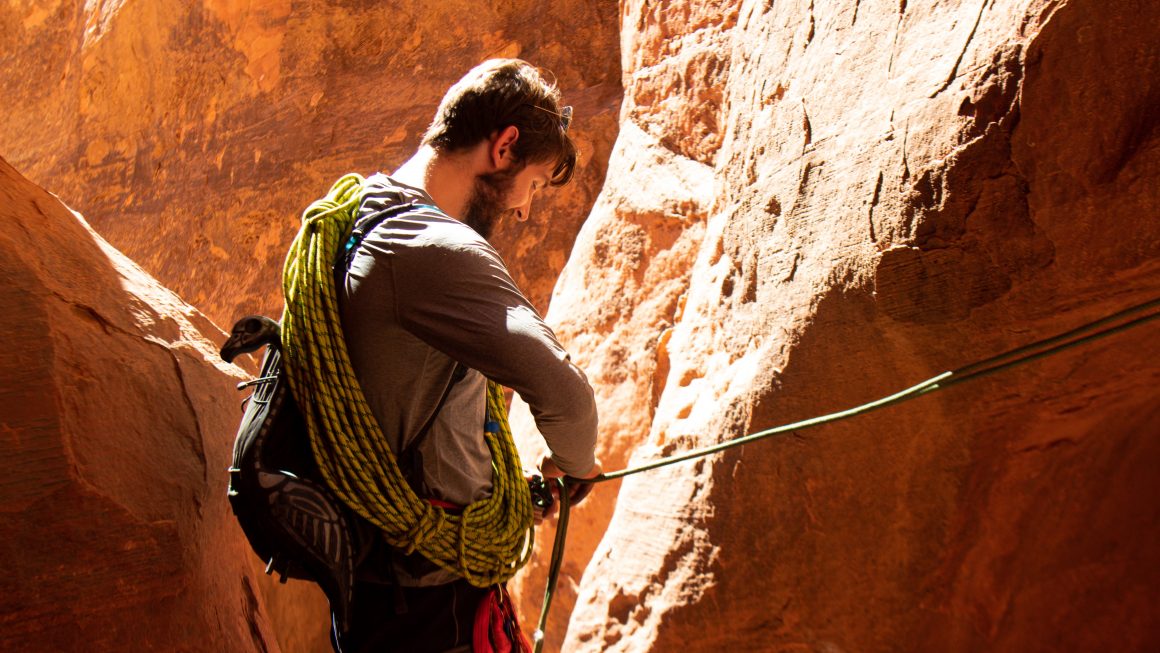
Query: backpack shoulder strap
[(408, 457), (364, 226)]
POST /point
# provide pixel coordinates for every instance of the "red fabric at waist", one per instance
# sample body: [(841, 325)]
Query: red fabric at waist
[(453, 508)]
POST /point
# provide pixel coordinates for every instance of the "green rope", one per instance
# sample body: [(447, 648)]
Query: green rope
[(1022, 355), (554, 566)]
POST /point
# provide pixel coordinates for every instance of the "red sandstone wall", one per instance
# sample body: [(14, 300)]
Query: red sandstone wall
[(116, 416), (812, 204), (192, 135), (808, 205)]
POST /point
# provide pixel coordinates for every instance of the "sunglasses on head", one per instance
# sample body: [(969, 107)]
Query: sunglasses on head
[(565, 115)]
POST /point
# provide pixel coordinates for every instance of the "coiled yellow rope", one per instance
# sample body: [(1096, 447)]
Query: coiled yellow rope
[(492, 538)]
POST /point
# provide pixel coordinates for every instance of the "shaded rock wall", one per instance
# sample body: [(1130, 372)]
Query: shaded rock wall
[(813, 204), (193, 134), (116, 416)]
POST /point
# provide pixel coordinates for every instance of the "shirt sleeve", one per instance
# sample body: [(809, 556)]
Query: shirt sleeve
[(456, 295)]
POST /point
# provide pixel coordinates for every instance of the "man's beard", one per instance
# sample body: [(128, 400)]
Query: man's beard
[(487, 203)]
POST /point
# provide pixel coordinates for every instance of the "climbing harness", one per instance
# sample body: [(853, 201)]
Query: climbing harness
[(486, 543), (1087, 333)]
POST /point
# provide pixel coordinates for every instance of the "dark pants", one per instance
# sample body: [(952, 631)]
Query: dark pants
[(391, 619)]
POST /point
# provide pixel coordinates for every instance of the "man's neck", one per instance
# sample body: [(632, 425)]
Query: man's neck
[(447, 177)]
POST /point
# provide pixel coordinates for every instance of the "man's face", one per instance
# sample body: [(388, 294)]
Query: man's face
[(504, 191)]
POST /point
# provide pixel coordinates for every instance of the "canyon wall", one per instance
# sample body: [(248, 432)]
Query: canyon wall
[(808, 204), (117, 416), (193, 134), (812, 204)]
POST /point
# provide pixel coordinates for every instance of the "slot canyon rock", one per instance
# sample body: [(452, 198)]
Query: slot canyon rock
[(117, 416), (808, 204), (192, 135), (814, 204)]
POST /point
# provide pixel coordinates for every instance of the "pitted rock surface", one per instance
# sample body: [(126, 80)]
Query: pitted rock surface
[(193, 135), (876, 192)]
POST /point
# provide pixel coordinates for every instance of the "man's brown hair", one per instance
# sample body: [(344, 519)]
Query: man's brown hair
[(502, 92)]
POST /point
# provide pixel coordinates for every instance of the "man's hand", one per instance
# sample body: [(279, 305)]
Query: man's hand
[(576, 491)]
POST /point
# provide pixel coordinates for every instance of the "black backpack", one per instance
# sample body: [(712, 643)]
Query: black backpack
[(292, 520)]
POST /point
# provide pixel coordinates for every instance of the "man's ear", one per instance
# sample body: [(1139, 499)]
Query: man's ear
[(500, 148)]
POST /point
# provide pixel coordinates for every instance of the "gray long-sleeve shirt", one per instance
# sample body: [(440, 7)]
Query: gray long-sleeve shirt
[(424, 291)]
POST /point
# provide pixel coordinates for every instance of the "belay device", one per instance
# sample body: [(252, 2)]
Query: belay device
[(292, 520)]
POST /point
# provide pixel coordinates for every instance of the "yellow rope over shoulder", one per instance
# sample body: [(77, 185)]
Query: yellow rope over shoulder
[(492, 538)]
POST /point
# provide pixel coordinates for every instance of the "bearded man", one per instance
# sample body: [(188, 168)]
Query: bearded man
[(429, 314)]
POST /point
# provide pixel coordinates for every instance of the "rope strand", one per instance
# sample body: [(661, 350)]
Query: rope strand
[(1013, 358)]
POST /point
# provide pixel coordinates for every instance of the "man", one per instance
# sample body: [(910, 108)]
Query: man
[(429, 313)]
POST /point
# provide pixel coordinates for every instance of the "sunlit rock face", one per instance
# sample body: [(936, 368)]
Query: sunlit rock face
[(808, 205), (117, 417), (815, 204), (194, 134)]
